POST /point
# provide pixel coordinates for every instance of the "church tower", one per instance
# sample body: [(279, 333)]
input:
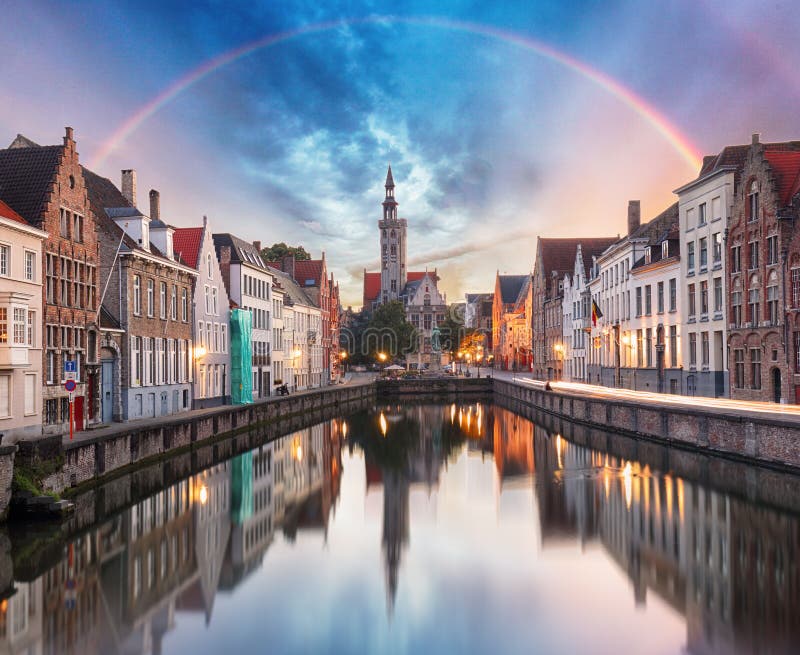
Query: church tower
[(393, 246)]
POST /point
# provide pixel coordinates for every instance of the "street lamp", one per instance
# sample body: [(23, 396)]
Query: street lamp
[(559, 350), (343, 359)]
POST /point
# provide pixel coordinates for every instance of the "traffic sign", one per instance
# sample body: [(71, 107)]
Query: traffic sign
[(70, 366), (70, 385)]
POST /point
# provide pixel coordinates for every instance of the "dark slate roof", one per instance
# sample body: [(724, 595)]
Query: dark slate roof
[(657, 229), (242, 252), (107, 320), (559, 254), (510, 286), (27, 175), (389, 178), (294, 292)]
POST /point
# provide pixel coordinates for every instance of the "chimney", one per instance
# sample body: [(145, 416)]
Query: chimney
[(634, 215), (287, 265), (155, 205), (68, 136), (756, 138), (129, 186), (257, 246)]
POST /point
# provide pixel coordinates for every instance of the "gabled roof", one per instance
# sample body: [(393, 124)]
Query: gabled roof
[(186, 242), (27, 174), (558, 255), (294, 292), (306, 270), (510, 286), (10, 214), (242, 252), (786, 166), (656, 230)]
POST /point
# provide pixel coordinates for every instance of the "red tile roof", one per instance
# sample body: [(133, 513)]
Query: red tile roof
[(372, 284), (786, 166), (308, 269), (10, 214), (186, 244), (559, 254)]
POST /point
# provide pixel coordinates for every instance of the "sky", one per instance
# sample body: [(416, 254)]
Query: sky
[(502, 121)]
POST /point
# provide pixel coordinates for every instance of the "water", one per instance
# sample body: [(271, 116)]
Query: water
[(428, 529)]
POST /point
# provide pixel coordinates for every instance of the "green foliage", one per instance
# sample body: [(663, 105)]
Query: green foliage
[(277, 251), (451, 333), (388, 331), (30, 478)]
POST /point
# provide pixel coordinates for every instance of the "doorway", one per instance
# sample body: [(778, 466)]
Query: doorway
[(107, 392), (77, 413), (776, 385)]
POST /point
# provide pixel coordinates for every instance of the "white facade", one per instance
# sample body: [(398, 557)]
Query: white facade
[(20, 329), (704, 207), (279, 353), (576, 308)]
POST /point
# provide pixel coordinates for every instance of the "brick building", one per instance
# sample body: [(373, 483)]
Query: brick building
[(555, 258), (148, 372), (510, 292), (763, 251), (45, 185)]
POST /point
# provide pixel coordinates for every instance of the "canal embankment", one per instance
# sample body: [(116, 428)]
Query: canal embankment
[(770, 438)]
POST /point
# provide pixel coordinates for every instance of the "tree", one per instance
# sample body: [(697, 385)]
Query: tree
[(277, 251), (451, 333), (388, 331)]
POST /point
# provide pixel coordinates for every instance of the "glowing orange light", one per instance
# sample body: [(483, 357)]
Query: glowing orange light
[(384, 425)]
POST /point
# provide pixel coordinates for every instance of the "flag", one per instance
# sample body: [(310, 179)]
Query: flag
[(596, 313)]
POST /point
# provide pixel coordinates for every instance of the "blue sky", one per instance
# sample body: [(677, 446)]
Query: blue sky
[(491, 144)]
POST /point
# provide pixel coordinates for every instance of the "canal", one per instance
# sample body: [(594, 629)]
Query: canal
[(449, 528)]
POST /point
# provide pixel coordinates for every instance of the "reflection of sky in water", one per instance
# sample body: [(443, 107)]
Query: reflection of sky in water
[(473, 578)]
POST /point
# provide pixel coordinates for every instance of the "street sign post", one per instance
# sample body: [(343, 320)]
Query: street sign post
[(70, 373)]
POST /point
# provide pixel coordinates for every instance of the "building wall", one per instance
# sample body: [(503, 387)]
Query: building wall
[(762, 354), (716, 194), (66, 317), (212, 384), (21, 353)]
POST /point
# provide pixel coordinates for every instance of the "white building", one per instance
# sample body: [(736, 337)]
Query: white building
[(20, 327), (249, 281), (622, 351), (704, 205), (577, 307), (211, 309), (425, 309), (303, 351)]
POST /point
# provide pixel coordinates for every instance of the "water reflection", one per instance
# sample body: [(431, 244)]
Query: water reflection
[(726, 565)]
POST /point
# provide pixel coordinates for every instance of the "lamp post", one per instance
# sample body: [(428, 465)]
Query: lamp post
[(558, 348), (199, 353), (343, 360)]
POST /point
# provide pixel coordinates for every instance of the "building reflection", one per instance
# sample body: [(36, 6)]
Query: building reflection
[(118, 588), (728, 566)]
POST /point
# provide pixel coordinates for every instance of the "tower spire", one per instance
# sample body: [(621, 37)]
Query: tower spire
[(389, 180)]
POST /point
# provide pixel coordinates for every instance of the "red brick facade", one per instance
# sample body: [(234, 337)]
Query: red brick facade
[(763, 251)]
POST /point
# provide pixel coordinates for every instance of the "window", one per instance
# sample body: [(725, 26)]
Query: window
[(752, 205), (162, 297), (648, 307), (207, 296), (716, 208), (31, 337), (693, 349), (738, 367), (703, 253), (137, 295), (736, 306), (214, 306), (185, 305), (690, 219), (30, 394), (717, 295), (704, 348), (755, 368), (648, 338), (639, 349), (30, 266), (51, 367), (797, 351), (77, 228), (50, 285), (660, 297), (754, 306), (701, 214), (223, 338), (772, 304), (673, 346), (136, 361), (64, 224), (753, 261), (151, 299), (704, 297), (673, 294), (638, 301), (20, 325), (209, 266), (692, 300), (772, 249), (690, 256), (716, 240), (736, 259)]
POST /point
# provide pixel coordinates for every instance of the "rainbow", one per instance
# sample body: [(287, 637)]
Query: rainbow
[(687, 150)]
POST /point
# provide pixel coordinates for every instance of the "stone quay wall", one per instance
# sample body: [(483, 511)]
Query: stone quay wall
[(766, 438), (110, 452)]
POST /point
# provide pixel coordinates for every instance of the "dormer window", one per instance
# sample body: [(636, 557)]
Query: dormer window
[(664, 249), (145, 240), (648, 255)]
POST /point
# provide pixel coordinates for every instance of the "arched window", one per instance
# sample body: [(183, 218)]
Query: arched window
[(210, 267), (752, 202)]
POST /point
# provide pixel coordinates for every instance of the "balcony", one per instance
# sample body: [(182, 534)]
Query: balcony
[(13, 356)]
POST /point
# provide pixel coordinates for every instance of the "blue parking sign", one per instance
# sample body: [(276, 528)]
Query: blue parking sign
[(70, 366)]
